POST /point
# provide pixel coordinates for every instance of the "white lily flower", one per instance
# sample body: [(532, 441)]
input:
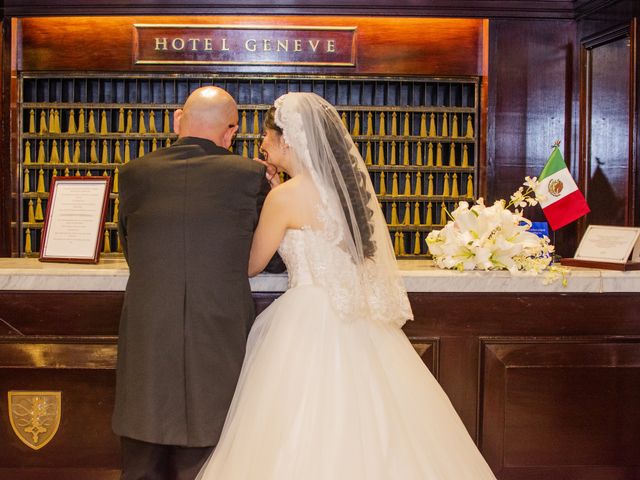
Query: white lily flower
[(481, 237)]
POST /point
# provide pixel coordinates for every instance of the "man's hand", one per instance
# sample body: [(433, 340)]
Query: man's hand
[(272, 173)]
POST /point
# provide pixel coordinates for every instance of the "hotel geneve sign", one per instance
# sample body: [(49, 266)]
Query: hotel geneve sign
[(167, 44)]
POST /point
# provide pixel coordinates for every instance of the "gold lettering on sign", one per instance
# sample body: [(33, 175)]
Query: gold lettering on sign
[(245, 44), (177, 44)]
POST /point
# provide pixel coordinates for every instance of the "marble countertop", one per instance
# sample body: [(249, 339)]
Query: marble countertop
[(419, 276)]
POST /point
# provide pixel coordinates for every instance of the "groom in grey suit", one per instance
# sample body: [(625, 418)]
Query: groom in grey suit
[(187, 216)]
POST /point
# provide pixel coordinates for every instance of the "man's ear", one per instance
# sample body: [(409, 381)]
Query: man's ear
[(228, 137), (177, 115)]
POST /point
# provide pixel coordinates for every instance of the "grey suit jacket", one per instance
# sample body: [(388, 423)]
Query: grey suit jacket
[(187, 216)]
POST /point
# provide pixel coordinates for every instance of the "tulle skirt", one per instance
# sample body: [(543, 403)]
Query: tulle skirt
[(320, 398)]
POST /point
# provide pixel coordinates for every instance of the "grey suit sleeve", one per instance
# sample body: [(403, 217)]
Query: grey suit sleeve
[(275, 265)]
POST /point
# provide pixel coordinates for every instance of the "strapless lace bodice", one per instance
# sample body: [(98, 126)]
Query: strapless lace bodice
[(292, 250), (314, 258)]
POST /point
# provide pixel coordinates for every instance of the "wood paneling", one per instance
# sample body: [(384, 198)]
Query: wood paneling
[(560, 369), (609, 167), (594, 25), (433, 8), (594, 17), (459, 320), (528, 108), (560, 407), (80, 368), (396, 46), (67, 313), (89, 353), (6, 182), (531, 85), (429, 350)]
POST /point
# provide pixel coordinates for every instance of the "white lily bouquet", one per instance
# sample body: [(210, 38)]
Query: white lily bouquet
[(495, 238)]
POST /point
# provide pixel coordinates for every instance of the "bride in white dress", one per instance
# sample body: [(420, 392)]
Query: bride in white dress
[(331, 388)]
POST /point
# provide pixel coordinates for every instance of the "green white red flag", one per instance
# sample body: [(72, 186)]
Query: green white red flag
[(562, 201)]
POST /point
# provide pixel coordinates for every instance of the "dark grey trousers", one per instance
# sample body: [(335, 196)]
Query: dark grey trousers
[(150, 461)]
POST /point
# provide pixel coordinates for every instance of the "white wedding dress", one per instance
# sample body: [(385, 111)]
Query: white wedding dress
[(324, 397)]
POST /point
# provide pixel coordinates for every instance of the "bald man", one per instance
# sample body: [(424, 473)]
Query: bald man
[(187, 215)]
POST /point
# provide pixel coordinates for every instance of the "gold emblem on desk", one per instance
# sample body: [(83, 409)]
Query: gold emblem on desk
[(35, 416)]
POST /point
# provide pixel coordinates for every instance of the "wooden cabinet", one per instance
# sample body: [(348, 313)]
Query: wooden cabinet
[(547, 384)]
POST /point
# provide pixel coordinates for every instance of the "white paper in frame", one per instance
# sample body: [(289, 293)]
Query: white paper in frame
[(74, 224), (605, 243)]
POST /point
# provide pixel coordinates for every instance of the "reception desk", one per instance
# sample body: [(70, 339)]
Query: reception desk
[(546, 378)]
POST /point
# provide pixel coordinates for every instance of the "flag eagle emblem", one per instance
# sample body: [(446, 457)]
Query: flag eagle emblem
[(555, 187)]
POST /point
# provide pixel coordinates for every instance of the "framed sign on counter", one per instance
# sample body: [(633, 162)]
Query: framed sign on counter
[(608, 247), (605, 243), (74, 221)]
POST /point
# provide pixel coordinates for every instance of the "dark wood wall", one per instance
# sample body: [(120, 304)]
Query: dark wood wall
[(413, 8), (6, 170), (532, 78), (610, 66)]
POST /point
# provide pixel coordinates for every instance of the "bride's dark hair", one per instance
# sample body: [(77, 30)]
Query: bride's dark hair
[(270, 121), (354, 179)]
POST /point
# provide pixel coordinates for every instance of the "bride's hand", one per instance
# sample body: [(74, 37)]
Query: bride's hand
[(271, 174)]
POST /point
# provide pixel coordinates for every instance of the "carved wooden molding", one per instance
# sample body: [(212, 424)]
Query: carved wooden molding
[(428, 348), (606, 36), (582, 8), (58, 352), (559, 9)]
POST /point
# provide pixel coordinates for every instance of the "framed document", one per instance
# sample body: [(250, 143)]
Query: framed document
[(74, 223), (602, 243), (608, 247)]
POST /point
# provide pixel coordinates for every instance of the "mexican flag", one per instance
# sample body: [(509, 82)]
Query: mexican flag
[(563, 202)]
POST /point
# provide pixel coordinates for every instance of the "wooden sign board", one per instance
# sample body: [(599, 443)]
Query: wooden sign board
[(163, 44)]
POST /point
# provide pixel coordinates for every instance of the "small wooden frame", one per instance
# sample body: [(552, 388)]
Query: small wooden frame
[(623, 267), (74, 222), (609, 248)]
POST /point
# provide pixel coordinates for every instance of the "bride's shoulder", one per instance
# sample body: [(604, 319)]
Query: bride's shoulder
[(296, 187), (296, 199), (283, 194)]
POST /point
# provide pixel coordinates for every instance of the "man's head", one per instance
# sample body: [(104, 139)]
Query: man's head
[(209, 112)]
